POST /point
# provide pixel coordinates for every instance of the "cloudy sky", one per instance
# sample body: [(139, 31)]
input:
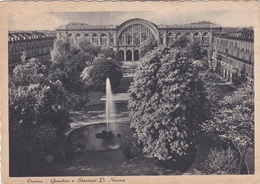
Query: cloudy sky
[(50, 21)]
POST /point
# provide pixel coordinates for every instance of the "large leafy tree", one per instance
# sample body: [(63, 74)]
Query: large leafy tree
[(107, 52), (89, 49), (33, 97), (148, 45), (181, 42), (38, 115), (61, 51), (29, 72), (95, 76), (166, 104), (234, 120), (68, 62), (209, 78), (196, 52)]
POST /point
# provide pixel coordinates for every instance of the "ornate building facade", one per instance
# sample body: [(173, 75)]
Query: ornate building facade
[(234, 55), (32, 44), (127, 37)]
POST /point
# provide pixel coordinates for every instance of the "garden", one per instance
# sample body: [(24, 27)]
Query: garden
[(173, 116)]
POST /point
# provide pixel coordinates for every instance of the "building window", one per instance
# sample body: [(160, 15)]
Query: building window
[(69, 35), (128, 39), (178, 35), (78, 35), (161, 38), (122, 40), (111, 39), (87, 38), (197, 37), (121, 55), (136, 55), (170, 38), (205, 38), (23, 48), (136, 39), (103, 39), (129, 55), (144, 37), (188, 35), (95, 39)]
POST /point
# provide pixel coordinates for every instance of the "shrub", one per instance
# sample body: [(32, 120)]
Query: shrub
[(221, 161), (129, 147)]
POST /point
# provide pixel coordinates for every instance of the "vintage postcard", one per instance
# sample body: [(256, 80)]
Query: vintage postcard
[(130, 92)]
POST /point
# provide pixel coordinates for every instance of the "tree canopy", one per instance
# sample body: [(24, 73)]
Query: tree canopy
[(166, 104), (195, 51), (95, 76), (38, 116), (147, 46), (68, 63), (181, 42), (86, 47), (234, 120)]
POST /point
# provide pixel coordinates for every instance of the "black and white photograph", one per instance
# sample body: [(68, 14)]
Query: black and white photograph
[(98, 96)]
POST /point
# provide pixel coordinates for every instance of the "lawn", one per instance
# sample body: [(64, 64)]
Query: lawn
[(113, 163)]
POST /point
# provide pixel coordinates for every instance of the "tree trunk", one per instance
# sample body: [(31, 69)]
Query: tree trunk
[(247, 167), (242, 161)]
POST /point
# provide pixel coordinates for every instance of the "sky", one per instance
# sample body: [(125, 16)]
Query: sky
[(51, 20)]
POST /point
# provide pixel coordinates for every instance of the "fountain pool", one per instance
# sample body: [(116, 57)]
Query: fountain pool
[(102, 136), (85, 137)]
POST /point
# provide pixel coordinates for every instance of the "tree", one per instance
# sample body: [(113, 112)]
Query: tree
[(38, 115), (33, 128), (147, 46), (29, 72), (23, 56), (90, 49), (208, 78), (107, 52), (38, 104), (68, 63), (166, 104), (95, 77), (234, 121), (61, 51), (195, 51), (181, 42)]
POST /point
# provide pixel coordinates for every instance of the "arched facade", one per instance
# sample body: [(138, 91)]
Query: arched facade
[(128, 37), (142, 29), (132, 33)]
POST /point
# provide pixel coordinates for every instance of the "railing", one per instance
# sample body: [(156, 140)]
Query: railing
[(20, 38), (88, 27), (190, 26)]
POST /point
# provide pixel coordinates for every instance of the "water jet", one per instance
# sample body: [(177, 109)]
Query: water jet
[(104, 135)]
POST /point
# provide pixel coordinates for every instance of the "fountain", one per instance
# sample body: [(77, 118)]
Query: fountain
[(101, 136), (110, 113)]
